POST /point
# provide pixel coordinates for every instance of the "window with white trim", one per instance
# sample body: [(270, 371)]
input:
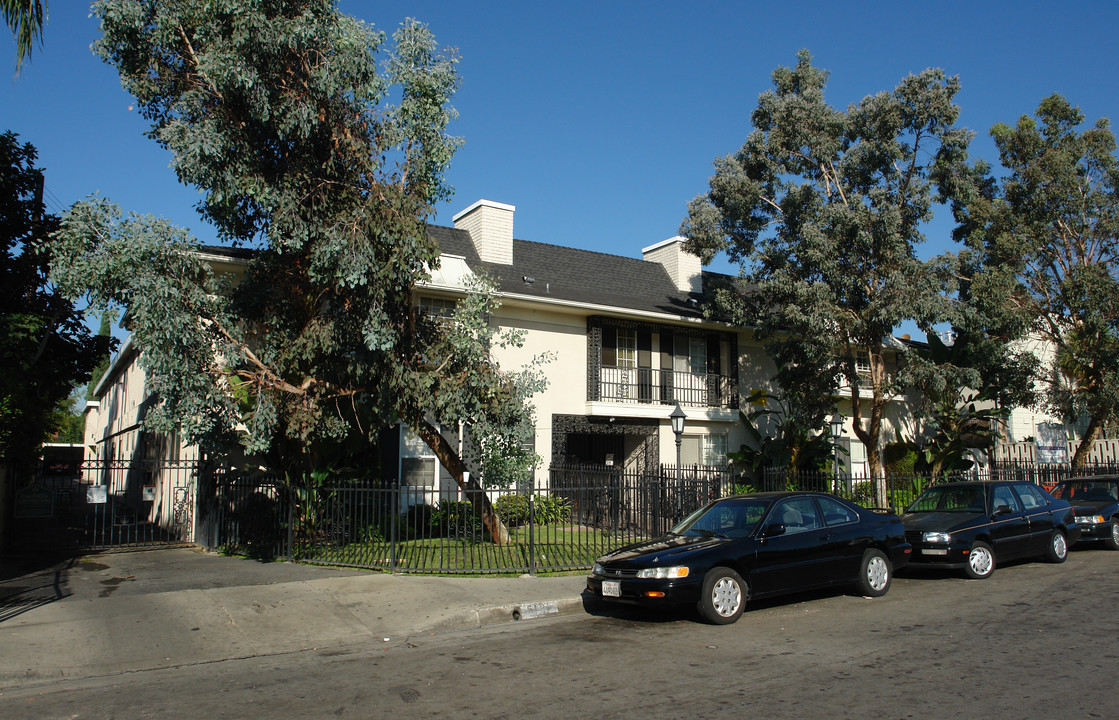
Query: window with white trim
[(417, 461), (437, 307), (708, 449), (627, 348)]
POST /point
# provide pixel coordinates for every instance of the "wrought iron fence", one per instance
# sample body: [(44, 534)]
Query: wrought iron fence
[(585, 512), (101, 504), (902, 490)]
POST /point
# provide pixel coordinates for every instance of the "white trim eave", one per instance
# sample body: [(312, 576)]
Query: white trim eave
[(518, 300), (216, 258), (124, 352)]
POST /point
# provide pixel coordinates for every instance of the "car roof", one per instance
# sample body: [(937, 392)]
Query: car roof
[(1109, 478), (776, 495)]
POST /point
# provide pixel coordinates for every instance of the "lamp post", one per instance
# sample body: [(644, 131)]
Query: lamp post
[(836, 431), (677, 419)]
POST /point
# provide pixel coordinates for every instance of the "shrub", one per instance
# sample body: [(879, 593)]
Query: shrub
[(417, 521), (512, 509), (552, 509), (900, 459), (456, 519), (548, 509)]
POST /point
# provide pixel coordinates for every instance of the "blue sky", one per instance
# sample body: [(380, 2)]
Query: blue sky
[(600, 121)]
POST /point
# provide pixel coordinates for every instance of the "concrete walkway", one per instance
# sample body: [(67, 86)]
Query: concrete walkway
[(125, 611)]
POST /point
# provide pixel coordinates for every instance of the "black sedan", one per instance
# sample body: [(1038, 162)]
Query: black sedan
[(753, 546), (969, 525), (1095, 500)]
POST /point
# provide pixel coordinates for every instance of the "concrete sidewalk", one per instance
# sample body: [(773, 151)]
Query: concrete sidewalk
[(118, 612)]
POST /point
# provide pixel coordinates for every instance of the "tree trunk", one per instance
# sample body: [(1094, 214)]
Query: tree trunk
[(450, 459), (869, 436), (1084, 449)]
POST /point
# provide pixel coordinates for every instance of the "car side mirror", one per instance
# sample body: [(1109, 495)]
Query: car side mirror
[(1002, 510), (774, 530)]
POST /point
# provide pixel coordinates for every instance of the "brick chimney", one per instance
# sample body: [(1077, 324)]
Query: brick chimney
[(490, 225), (685, 269)]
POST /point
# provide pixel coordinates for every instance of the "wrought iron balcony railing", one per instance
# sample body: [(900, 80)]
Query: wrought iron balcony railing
[(664, 387)]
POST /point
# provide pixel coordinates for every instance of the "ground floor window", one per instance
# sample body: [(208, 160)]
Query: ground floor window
[(710, 449), (417, 461)]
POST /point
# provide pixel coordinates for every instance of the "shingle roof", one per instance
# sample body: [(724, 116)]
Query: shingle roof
[(565, 274), (584, 276)]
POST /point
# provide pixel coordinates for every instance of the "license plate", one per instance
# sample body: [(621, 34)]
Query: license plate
[(611, 588), (927, 551)]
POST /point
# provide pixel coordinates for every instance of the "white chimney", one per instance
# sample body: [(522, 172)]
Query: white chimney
[(490, 225), (685, 269)]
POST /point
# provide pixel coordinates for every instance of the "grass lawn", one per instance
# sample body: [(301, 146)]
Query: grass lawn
[(554, 547)]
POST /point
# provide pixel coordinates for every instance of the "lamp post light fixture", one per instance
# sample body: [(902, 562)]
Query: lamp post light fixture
[(677, 419), (836, 431)]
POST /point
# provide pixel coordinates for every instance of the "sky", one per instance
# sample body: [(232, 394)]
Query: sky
[(600, 120)]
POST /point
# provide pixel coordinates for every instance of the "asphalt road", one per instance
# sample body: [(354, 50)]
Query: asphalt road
[(1034, 640)]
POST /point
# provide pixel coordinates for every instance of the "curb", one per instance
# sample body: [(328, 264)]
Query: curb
[(499, 614)]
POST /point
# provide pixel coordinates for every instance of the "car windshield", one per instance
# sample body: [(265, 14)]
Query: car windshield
[(1087, 491), (734, 518), (957, 498)]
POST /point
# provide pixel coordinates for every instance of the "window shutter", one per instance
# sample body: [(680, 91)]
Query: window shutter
[(609, 346)]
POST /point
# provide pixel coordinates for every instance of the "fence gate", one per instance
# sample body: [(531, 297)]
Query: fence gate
[(99, 504)]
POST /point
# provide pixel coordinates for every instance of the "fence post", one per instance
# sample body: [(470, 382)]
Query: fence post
[(532, 532), (291, 522), (394, 494)]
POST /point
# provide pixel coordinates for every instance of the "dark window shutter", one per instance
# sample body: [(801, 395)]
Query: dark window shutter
[(609, 346), (644, 349)]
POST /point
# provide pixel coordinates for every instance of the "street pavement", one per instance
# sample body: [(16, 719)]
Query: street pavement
[(119, 612)]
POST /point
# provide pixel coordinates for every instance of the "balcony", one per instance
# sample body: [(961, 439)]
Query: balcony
[(664, 387)]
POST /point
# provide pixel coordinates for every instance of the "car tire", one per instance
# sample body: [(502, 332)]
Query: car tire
[(724, 595), (875, 574), (980, 561), (1057, 549), (1111, 542)]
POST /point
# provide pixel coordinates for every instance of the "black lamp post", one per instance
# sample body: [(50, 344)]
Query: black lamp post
[(677, 419), (836, 431)]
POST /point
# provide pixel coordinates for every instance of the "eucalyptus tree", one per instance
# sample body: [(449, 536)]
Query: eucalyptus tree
[(1046, 234), (823, 209), (322, 147)]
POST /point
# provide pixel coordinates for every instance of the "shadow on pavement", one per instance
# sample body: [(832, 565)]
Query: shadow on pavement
[(30, 582)]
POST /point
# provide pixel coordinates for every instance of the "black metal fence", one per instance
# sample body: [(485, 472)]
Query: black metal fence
[(902, 490), (100, 504), (585, 512)]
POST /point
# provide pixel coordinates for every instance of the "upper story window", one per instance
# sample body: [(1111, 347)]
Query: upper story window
[(690, 355), (862, 363), (627, 348), (437, 307)]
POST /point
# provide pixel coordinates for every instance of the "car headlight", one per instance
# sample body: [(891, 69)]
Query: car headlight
[(1089, 519), (597, 568), (663, 573), (936, 537)]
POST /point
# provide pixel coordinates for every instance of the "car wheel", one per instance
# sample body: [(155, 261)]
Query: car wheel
[(724, 594), (980, 561), (1112, 540), (1057, 549), (875, 574)]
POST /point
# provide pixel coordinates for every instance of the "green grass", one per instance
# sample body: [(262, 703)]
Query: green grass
[(556, 547)]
